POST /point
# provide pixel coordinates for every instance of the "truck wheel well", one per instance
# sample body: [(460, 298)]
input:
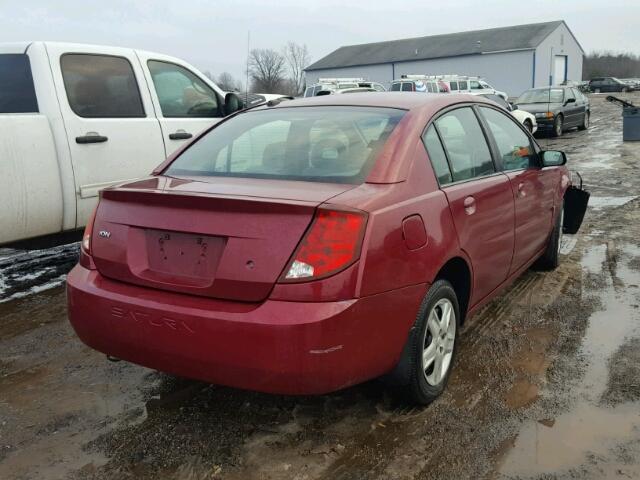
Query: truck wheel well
[(456, 271)]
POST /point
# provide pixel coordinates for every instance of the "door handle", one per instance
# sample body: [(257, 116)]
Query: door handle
[(469, 205), (91, 137), (521, 192), (180, 135)]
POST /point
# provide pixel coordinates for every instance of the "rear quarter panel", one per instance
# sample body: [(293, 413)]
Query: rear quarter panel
[(386, 262)]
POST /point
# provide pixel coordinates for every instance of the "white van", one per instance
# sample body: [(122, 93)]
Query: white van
[(75, 119)]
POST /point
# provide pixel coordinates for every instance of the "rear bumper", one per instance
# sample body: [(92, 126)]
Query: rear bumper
[(275, 346)]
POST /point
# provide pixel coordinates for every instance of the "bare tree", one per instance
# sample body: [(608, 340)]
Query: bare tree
[(605, 64), (227, 82), (297, 58), (267, 70)]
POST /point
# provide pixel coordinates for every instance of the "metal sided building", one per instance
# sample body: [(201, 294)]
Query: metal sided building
[(511, 59)]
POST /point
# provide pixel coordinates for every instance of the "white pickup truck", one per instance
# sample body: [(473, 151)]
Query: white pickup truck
[(77, 118)]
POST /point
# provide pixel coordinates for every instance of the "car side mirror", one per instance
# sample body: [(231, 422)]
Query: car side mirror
[(570, 100), (513, 107), (232, 103), (553, 158)]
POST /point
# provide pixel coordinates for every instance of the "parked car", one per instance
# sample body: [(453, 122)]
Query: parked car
[(609, 84), (71, 122), (528, 120), (634, 83), (418, 85), (250, 99), (345, 90), (338, 84), (582, 85), (308, 246), (556, 108), (472, 85)]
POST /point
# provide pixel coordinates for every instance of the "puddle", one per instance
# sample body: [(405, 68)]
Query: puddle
[(589, 428), (593, 259), (599, 203), (564, 443)]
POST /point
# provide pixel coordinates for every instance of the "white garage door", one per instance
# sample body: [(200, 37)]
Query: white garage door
[(560, 70)]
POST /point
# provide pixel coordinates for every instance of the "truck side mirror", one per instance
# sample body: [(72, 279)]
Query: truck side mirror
[(232, 103)]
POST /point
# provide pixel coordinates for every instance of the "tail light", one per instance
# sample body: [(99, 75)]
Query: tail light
[(331, 244), (85, 247)]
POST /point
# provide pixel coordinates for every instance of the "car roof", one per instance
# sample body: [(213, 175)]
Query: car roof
[(401, 100)]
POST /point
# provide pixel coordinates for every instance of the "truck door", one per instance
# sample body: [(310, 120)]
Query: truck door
[(111, 126), (31, 193), (185, 101)]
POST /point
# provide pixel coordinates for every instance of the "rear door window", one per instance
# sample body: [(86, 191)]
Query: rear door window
[(453, 85), (407, 87), (437, 156), (17, 93), (465, 144), (463, 85), (101, 86), (514, 146), (181, 93)]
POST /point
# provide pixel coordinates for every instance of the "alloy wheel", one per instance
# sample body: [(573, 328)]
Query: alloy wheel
[(438, 342)]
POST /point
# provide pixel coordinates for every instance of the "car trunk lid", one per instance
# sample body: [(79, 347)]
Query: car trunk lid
[(230, 239)]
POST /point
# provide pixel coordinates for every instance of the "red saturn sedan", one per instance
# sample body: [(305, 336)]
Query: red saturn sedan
[(306, 246)]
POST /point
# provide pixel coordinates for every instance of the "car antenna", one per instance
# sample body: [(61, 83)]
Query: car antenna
[(246, 86)]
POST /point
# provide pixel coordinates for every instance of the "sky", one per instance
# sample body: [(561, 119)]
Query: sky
[(212, 35)]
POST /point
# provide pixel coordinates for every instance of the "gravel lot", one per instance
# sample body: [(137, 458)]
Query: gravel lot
[(546, 384)]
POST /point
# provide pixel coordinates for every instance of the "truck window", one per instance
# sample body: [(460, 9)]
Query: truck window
[(17, 93), (181, 93), (101, 86)]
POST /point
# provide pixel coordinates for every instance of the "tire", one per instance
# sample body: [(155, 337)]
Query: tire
[(527, 124), (550, 259), (424, 384), (585, 121), (558, 125)]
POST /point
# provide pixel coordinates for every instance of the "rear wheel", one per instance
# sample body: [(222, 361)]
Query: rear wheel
[(432, 344), (550, 259), (558, 125), (585, 122)]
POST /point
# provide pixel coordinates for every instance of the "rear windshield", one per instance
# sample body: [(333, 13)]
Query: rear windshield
[(17, 93), (321, 144)]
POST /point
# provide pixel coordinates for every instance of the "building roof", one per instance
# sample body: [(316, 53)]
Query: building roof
[(517, 37)]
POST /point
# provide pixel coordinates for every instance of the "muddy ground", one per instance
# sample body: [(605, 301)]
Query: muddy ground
[(546, 384)]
